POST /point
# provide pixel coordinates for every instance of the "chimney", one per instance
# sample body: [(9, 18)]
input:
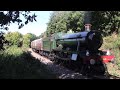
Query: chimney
[(88, 27), (87, 17), (87, 20)]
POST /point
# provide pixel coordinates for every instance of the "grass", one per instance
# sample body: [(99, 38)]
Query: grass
[(17, 64)]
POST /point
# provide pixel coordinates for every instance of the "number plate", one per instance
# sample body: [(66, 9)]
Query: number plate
[(74, 57)]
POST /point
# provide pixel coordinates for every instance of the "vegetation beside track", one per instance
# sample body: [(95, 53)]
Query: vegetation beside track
[(18, 64), (113, 43)]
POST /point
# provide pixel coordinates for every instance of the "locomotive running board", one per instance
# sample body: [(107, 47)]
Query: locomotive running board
[(67, 59)]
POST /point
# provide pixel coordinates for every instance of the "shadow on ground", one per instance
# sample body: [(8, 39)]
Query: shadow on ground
[(23, 66), (64, 73)]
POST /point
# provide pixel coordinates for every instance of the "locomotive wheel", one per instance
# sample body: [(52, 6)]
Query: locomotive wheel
[(56, 61), (52, 56), (73, 65), (68, 64), (98, 69), (37, 51), (84, 69)]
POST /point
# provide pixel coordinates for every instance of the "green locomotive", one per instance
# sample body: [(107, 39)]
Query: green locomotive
[(81, 48), (65, 46)]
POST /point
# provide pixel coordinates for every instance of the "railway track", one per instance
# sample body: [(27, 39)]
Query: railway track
[(65, 72)]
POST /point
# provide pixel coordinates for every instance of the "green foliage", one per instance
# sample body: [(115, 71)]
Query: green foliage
[(75, 21), (2, 41), (9, 17), (63, 21), (106, 21), (14, 50), (16, 64), (14, 38), (113, 42), (27, 38)]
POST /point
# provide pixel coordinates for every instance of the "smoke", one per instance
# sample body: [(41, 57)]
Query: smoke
[(87, 17)]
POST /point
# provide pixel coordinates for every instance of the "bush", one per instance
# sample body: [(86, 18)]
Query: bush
[(113, 42), (16, 64)]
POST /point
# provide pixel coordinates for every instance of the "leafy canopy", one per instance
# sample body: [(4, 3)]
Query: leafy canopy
[(9, 17)]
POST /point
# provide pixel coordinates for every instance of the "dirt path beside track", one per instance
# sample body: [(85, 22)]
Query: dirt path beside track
[(60, 71)]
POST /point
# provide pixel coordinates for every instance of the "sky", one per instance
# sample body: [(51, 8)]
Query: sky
[(34, 27)]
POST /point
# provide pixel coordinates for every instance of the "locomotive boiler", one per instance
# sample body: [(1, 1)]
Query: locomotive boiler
[(88, 40), (76, 45)]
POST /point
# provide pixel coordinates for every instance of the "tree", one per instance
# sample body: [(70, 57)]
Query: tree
[(14, 38), (57, 22), (2, 40), (27, 38), (63, 21), (75, 21), (9, 17), (106, 21)]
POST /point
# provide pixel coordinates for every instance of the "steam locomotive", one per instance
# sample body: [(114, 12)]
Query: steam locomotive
[(81, 48)]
